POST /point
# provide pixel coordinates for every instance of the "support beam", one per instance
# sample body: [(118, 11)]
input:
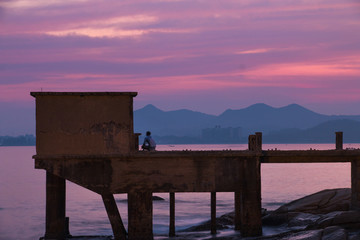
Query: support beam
[(355, 184), (251, 199), (172, 215), (252, 142), (55, 207), (136, 135), (140, 216), (213, 212), (250, 218), (114, 216), (237, 220), (258, 141), (339, 140)]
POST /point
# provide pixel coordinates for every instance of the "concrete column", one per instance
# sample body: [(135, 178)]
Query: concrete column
[(258, 141), (136, 135), (355, 184), (251, 199), (339, 140), (252, 142), (213, 212), (55, 207), (172, 215), (250, 213), (140, 216), (237, 220), (114, 216)]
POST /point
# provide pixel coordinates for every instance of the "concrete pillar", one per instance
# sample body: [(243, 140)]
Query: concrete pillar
[(355, 184), (140, 216), (55, 207), (258, 141), (136, 135), (251, 199), (250, 218), (213, 212), (237, 220), (339, 140), (172, 215), (114, 216), (252, 142)]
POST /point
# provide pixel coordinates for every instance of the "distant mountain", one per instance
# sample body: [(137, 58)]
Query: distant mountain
[(179, 122), (286, 124), (322, 133), (264, 118)]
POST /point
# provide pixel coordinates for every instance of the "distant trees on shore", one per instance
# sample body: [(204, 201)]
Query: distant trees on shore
[(22, 140)]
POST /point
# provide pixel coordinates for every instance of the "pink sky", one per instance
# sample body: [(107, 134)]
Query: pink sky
[(206, 56)]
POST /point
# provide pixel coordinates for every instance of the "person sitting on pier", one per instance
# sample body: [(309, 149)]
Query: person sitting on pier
[(149, 143)]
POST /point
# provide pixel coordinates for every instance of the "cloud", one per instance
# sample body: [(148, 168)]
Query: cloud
[(29, 4), (230, 49), (305, 69)]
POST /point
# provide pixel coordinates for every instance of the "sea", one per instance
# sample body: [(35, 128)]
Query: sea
[(22, 193)]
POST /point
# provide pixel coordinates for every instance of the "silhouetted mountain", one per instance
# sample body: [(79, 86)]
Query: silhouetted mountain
[(277, 124), (322, 133), (178, 123), (261, 117)]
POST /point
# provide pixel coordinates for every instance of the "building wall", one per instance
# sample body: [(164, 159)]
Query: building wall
[(84, 123)]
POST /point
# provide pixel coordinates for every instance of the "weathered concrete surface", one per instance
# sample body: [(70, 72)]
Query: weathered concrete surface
[(84, 123), (140, 212), (55, 227), (113, 213), (251, 199), (355, 184), (173, 171), (309, 156), (206, 171)]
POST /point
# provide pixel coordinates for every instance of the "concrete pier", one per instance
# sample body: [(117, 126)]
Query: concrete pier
[(172, 214), (140, 211), (55, 207), (355, 184), (92, 134), (112, 211)]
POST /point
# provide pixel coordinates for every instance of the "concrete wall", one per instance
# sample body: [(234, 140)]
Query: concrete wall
[(155, 172), (84, 123)]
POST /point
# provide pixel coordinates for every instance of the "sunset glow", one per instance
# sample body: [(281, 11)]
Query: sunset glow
[(203, 55)]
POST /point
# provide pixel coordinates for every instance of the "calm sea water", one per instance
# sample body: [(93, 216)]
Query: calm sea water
[(22, 193)]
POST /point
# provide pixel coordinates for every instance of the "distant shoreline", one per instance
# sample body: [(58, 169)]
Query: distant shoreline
[(30, 140), (22, 140)]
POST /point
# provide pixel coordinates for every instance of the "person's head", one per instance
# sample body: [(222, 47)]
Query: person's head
[(148, 133)]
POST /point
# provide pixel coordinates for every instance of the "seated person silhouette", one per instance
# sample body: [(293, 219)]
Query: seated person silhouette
[(149, 143)]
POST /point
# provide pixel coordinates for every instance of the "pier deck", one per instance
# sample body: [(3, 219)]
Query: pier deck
[(88, 139)]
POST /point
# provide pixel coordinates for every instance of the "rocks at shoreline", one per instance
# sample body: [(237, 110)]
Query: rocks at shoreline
[(324, 215), (325, 201)]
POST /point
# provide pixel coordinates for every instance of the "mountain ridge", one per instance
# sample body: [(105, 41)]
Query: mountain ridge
[(258, 117)]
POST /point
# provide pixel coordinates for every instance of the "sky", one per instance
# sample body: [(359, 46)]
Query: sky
[(203, 55)]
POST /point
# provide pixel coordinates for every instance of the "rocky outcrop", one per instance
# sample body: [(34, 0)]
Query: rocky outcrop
[(325, 215), (330, 233), (322, 215), (321, 202)]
